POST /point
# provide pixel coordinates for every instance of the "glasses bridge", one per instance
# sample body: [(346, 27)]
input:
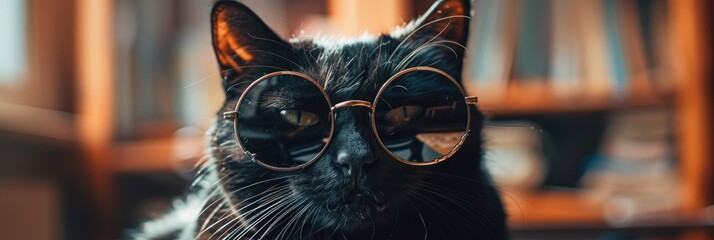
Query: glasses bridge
[(353, 103)]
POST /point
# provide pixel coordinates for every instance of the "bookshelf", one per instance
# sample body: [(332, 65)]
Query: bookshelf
[(684, 92)]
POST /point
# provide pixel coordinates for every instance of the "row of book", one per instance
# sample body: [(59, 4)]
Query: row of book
[(631, 174), (574, 48), (634, 173)]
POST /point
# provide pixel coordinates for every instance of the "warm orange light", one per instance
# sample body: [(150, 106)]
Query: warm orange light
[(230, 45), (354, 17)]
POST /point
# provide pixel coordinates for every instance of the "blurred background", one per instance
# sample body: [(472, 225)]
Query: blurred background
[(600, 124)]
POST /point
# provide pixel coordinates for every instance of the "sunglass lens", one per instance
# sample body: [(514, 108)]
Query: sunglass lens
[(421, 116), (284, 121)]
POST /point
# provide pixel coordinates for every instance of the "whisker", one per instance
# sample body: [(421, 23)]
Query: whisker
[(250, 66), (426, 230), (210, 217), (276, 191), (245, 187), (309, 214), (265, 213), (455, 198), (427, 43), (270, 40), (281, 57), (442, 212), (459, 199), (474, 181), (411, 55), (236, 221), (290, 224), (269, 205), (276, 220), (379, 57), (421, 27), (200, 80)]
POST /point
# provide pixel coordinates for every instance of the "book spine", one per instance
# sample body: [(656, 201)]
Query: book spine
[(565, 73), (596, 80), (489, 58), (618, 65), (532, 50)]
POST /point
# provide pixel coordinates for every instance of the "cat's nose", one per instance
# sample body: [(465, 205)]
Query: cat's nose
[(351, 146), (354, 161)]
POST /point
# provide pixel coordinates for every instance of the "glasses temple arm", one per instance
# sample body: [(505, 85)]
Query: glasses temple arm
[(230, 115), (471, 100)]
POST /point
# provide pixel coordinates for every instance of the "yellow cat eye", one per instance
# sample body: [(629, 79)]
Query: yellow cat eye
[(408, 117), (299, 117)]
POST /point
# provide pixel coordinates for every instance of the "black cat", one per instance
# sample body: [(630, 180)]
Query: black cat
[(356, 183)]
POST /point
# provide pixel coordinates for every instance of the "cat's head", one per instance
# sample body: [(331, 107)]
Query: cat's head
[(355, 183)]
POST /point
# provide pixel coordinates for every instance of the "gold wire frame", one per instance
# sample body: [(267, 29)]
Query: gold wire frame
[(469, 100), (266, 77)]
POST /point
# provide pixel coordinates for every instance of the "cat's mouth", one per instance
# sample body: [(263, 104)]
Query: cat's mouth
[(357, 199), (355, 209)]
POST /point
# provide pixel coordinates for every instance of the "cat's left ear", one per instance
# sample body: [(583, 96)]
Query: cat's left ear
[(241, 38), (448, 19)]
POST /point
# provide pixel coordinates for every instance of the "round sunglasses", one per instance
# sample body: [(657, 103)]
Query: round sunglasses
[(285, 120)]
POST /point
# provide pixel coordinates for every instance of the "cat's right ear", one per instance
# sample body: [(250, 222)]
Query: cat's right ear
[(241, 39)]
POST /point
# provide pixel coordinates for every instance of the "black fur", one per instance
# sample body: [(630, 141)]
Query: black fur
[(355, 190)]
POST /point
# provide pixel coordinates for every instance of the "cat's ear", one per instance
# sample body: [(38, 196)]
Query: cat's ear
[(448, 19), (240, 38)]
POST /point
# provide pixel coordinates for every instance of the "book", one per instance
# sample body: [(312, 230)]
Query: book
[(595, 55), (565, 66), (655, 31), (618, 66), (490, 53), (533, 44), (634, 172), (633, 43)]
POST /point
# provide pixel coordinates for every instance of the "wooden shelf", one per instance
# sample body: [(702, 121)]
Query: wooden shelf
[(550, 207), (38, 121), (550, 106), (157, 155), (520, 99), (571, 211)]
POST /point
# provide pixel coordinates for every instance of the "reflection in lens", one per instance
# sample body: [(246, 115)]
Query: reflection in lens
[(421, 116), (283, 121)]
